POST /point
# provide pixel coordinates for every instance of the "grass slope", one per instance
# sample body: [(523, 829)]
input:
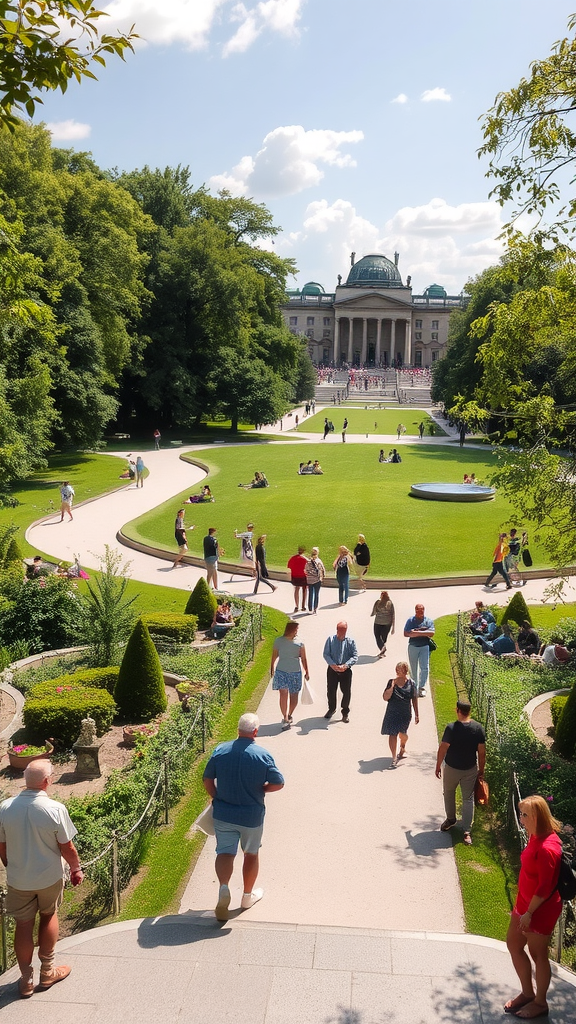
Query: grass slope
[(407, 536), (373, 420)]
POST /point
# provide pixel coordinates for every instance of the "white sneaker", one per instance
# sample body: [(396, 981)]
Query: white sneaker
[(250, 898), (222, 913), (422, 693)]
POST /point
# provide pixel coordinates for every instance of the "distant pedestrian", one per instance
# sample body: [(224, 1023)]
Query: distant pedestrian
[(296, 419), (326, 428), (237, 778), (344, 429), (362, 559), (463, 753), (157, 437), (462, 434), (340, 654), (211, 554), (36, 836), (401, 696), (341, 565), (420, 630), (66, 498), (262, 574), (315, 573), (289, 657), (180, 537), (421, 430), (400, 429), (140, 467), (297, 566), (384, 621), (246, 549), (500, 553)]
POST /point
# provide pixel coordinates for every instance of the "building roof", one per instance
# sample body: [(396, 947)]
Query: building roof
[(313, 288), (376, 270), (435, 291)]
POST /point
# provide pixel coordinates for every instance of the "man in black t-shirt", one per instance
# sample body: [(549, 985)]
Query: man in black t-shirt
[(463, 751)]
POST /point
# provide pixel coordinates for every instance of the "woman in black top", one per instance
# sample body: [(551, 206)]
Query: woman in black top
[(362, 559), (262, 575)]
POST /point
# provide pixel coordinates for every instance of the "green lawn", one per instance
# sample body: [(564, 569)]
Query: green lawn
[(90, 475), (407, 536), (368, 421)]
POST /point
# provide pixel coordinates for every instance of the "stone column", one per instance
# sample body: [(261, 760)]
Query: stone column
[(350, 340), (378, 340), (336, 352), (364, 352), (392, 342), (408, 343)]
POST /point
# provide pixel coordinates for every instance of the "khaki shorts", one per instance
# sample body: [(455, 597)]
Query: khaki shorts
[(66, 506), (182, 549), (24, 904)]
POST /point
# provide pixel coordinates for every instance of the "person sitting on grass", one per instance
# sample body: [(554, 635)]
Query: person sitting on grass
[(528, 639), (553, 655), (317, 468), (394, 456), (502, 645), (205, 495), (482, 621), (222, 621)]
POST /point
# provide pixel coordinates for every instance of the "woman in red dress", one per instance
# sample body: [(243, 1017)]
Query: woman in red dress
[(538, 907)]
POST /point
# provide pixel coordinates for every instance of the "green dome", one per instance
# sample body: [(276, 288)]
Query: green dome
[(435, 291), (375, 270), (312, 288)]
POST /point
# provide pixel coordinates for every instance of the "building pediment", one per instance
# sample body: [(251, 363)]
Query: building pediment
[(372, 301)]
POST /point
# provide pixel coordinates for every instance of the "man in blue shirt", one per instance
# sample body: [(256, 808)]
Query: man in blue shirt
[(504, 644), (339, 654), (237, 778), (420, 630)]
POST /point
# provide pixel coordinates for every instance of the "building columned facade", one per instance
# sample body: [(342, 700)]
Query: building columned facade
[(373, 319)]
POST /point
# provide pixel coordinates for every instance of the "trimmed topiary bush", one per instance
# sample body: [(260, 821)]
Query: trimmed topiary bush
[(172, 626), (202, 603), (101, 678), (55, 710), (557, 705), (13, 554), (516, 611), (140, 692), (566, 728)]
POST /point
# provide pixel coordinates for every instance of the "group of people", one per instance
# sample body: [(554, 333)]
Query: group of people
[(507, 554), (135, 469), (310, 468), (259, 480), (393, 456), (500, 641)]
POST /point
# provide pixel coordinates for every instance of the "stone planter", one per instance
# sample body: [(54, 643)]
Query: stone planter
[(129, 733), (187, 690), (20, 762)]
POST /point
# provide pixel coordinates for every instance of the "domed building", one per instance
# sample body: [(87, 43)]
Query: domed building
[(373, 319)]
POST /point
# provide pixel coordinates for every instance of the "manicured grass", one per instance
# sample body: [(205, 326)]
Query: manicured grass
[(373, 420), (172, 852), (407, 536), (90, 475)]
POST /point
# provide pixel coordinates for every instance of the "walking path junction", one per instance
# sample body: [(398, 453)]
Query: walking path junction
[(362, 918)]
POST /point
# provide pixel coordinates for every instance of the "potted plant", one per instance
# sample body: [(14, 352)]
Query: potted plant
[(191, 688), (133, 734), (21, 755)]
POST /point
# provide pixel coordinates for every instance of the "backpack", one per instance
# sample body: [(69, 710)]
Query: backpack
[(567, 877), (526, 558)]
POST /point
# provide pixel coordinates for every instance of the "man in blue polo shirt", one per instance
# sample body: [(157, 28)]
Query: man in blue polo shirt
[(237, 778), (420, 630)]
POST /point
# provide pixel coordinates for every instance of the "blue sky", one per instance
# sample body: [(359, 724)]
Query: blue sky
[(357, 124)]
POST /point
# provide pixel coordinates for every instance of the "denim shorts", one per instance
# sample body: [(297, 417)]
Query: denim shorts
[(228, 836)]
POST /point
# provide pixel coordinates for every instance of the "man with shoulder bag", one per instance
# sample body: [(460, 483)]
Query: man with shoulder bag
[(463, 751)]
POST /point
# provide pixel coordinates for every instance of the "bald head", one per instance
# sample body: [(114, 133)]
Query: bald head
[(341, 628), (37, 774)]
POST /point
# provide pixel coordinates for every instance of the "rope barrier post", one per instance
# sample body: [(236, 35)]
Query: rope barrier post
[(229, 673), (166, 797), (115, 887), (203, 722), (4, 963)]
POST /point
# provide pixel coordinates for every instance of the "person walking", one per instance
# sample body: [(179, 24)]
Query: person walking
[(419, 630), (401, 696), (237, 778), (384, 621), (342, 564), (326, 428), (287, 654), (262, 574), (212, 552), (180, 537), (36, 836), (344, 429), (500, 553), (140, 467), (340, 654), (463, 753), (246, 549), (362, 559), (421, 429), (315, 572), (537, 909), (157, 438), (66, 498), (297, 566)]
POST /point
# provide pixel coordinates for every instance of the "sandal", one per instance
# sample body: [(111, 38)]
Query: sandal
[(402, 752), (513, 1005)]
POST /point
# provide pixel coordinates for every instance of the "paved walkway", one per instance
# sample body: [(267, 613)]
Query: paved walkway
[(349, 844)]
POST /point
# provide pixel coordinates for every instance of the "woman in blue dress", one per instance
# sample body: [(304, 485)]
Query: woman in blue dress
[(401, 696)]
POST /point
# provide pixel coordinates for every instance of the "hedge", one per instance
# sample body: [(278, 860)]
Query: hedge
[(171, 626), (100, 678), (140, 692), (557, 705), (50, 714), (566, 728)]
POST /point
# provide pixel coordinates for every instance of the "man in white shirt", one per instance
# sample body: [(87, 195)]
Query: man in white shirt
[(35, 839), (66, 495)]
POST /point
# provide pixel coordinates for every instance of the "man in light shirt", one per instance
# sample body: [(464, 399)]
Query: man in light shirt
[(340, 654)]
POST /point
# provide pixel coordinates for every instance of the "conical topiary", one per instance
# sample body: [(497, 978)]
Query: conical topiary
[(13, 553), (566, 728), (202, 603), (516, 611), (139, 692)]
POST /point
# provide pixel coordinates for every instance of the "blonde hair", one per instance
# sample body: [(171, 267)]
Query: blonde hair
[(404, 665), (343, 550), (545, 822), (361, 538)]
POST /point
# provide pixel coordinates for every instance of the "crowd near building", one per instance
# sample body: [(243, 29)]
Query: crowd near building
[(372, 319)]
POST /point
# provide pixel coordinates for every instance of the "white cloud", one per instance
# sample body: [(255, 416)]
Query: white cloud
[(289, 161), (191, 22), (438, 243), (400, 98), (433, 95), (66, 131)]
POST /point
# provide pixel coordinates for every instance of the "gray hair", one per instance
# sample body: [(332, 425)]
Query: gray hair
[(35, 774), (248, 724)]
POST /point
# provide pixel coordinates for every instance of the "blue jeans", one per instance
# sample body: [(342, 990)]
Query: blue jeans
[(343, 577), (419, 658), (313, 593)]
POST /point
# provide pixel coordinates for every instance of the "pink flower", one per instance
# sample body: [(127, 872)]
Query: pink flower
[(19, 749), (550, 799)]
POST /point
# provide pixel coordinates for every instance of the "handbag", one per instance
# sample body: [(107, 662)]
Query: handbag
[(432, 645), (526, 557), (481, 792), (307, 695), (205, 821)]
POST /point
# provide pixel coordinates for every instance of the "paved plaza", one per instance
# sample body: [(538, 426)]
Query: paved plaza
[(362, 918)]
